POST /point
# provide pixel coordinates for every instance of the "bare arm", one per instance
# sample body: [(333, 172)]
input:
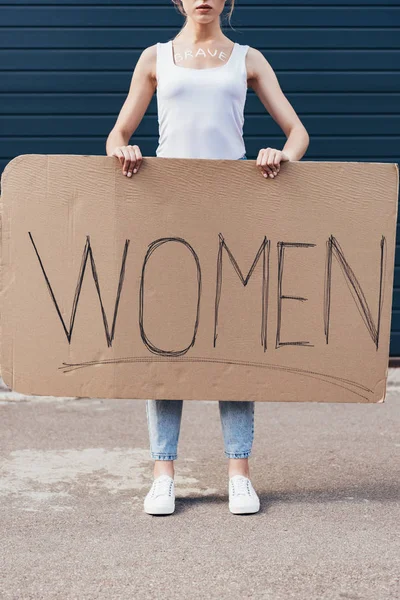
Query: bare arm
[(142, 87), (263, 80)]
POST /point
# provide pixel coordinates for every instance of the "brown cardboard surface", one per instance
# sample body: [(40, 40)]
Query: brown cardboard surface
[(197, 279)]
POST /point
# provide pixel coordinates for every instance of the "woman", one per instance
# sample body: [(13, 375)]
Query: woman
[(201, 81)]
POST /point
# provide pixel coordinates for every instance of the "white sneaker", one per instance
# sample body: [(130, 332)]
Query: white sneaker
[(242, 496), (160, 500)]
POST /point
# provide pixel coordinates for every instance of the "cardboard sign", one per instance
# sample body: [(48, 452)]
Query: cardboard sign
[(197, 279)]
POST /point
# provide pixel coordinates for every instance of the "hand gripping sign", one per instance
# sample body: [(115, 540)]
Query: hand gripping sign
[(197, 279)]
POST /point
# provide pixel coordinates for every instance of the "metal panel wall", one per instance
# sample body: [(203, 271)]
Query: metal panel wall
[(66, 68)]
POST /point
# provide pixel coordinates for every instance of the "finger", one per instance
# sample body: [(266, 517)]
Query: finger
[(132, 163), (279, 158), (260, 160), (127, 160), (259, 157), (273, 161), (139, 158), (277, 164), (265, 168)]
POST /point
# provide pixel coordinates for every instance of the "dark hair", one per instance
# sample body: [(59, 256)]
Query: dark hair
[(179, 6)]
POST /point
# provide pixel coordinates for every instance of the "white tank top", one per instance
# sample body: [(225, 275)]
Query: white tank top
[(200, 111)]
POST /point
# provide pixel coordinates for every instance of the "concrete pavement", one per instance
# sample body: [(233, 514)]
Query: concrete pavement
[(74, 472)]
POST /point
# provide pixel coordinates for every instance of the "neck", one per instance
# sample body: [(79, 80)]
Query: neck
[(197, 33)]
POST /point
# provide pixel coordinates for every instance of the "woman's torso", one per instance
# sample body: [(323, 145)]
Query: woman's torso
[(201, 111)]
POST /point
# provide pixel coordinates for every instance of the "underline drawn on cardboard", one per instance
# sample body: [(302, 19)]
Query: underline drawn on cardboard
[(333, 249), (346, 384)]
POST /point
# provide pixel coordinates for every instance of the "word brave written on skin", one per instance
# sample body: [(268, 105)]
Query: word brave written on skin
[(188, 54), (262, 258)]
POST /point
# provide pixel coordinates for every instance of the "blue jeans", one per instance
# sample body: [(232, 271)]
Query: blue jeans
[(164, 423)]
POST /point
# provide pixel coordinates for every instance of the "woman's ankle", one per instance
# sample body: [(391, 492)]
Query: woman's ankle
[(238, 466), (164, 467)]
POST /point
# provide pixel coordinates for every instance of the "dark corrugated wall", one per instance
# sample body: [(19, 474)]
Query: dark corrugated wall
[(66, 68)]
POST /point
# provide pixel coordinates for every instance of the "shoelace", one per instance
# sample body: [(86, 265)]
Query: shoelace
[(161, 486), (240, 486)]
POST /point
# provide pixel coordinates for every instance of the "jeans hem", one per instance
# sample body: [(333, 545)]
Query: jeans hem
[(163, 456), (238, 454)]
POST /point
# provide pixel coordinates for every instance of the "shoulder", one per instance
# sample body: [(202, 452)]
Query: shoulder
[(256, 63), (146, 63), (149, 54)]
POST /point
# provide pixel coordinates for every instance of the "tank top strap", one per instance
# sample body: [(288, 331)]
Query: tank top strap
[(241, 51), (238, 60), (163, 62)]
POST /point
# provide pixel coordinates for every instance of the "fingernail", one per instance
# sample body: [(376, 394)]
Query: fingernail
[(265, 175), (135, 170), (129, 174)]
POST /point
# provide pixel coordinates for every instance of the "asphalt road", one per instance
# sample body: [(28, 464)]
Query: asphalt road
[(74, 472)]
